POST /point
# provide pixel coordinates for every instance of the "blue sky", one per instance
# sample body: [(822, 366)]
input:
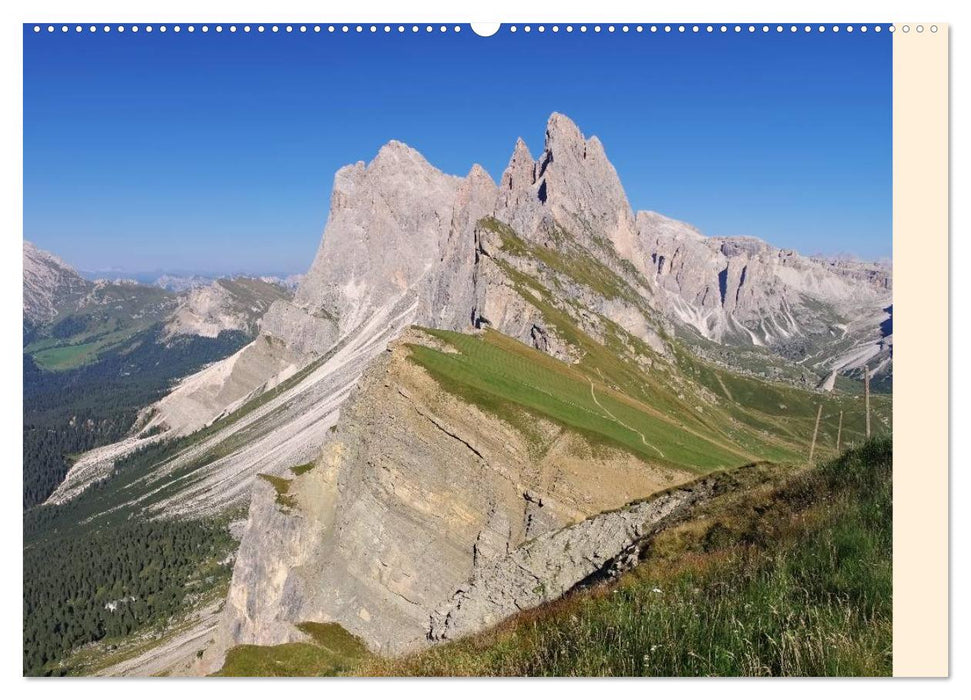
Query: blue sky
[(216, 152)]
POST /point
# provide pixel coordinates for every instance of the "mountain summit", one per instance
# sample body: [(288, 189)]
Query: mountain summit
[(471, 376), (50, 284)]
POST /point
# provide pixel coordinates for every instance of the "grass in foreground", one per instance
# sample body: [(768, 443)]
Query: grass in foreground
[(791, 579), (331, 651), (785, 574)]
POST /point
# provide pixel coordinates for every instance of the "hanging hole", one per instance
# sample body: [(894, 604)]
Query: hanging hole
[(485, 28)]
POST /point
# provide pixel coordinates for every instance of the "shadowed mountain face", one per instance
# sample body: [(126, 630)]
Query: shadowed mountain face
[(467, 367)]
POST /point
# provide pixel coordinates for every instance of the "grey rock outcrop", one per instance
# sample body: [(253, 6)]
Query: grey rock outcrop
[(387, 228), (50, 286), (573, 183), (413, 492), (232, 304), (548, 566)]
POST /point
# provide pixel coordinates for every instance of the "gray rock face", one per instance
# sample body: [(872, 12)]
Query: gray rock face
[(388, 228), (413, 493), (545, 568), (50, 285), (572, 183), (452, 290), (743, 291)]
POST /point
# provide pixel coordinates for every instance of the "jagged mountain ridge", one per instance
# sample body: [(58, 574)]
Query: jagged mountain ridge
[(60, 303), (743, 292), (552, 257), (410, 237), (403, 227), (49, 285)]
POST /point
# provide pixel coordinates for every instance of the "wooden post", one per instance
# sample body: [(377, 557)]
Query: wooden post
[(866, 397), (812, 447), (839, 434)]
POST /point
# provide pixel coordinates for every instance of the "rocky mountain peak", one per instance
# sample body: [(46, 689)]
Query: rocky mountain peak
[(572, 183), (479, 175), (396, 154), (563, 135), (49, 284), (516, 196)]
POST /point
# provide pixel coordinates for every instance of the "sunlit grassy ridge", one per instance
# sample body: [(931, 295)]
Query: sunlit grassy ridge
[(492, 370), (608, 399)]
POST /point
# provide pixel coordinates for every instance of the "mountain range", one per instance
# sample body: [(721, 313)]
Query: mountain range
[(462, 408), (61, 308)]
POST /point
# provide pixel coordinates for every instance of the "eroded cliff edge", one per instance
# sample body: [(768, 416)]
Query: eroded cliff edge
[(415, 492)]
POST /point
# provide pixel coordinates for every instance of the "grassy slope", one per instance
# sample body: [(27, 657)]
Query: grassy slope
[(493, 370), (790, 577), (788, 572), (750, 418), (331, 651), (610, 400)]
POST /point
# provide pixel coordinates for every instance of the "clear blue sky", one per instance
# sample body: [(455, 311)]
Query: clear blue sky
[(216, 152)]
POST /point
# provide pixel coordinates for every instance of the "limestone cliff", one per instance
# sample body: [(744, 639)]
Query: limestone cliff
[(743, 291), (414, 492), (427, 487)]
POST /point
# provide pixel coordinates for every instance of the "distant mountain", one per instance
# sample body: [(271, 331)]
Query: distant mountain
[(829, 316), (69, 320), (226, 304), (177, 283), (463, 407), (51, 286)]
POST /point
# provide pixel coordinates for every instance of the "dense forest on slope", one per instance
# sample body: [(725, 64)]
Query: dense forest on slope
[(68, 412), (95, 583)]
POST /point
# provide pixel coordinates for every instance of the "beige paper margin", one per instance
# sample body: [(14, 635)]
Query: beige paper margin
[(920, 392)]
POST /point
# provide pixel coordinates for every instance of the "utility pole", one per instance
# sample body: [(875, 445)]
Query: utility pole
[(839, 433), (866, 397), (812, 447)]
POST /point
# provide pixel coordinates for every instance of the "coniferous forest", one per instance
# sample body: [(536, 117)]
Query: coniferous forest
[(71, 411), (91, 580), (106, 582)]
